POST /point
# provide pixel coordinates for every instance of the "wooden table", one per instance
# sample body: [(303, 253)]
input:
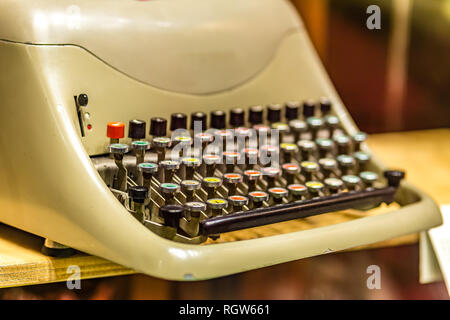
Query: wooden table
[(424, 154)]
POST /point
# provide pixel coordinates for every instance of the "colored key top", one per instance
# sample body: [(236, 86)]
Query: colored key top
[(328, 166), (270, 174), (307, 148), (351, 181), (358, 138), (189, 187), (315, 188), (190, 165), (231, 181), (117, 150), (297, 127), (297, 191), (216, 206), (251, 177), (168, 191), (210, 184), (147, 170), (139, 150), (169, 166), (230, 159), (346, 163), (289, 150), (161, 144), (290, 170), (343, 144), (368, 177), (332, 123), (258, 198), (309, 168), (237, 202), (334, 184), (325, 146), (362, 158), (278, 194), (115, 131), (314, 124)]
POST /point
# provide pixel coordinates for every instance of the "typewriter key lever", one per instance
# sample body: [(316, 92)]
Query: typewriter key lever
[(301, 209)]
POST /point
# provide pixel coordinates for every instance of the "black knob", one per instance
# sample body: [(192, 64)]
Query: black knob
[(199, 117), (82, 100), (274, 113), (136, 129), (325, 106), (138, 193), (172, 214), (237, 117), (308, 109), (158, 127), (178, 121), (394, 177), (218, 119), (291, 110), (255, 115)]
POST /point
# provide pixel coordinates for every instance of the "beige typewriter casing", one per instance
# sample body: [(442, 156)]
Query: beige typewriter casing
[(138, 59)]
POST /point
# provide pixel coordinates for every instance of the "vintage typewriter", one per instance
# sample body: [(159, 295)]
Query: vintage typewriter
[(186, 139)]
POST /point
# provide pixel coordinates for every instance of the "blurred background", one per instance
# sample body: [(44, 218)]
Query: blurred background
[(393, 79)]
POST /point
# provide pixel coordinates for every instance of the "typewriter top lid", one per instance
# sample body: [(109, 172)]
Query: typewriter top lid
[(174, 45)]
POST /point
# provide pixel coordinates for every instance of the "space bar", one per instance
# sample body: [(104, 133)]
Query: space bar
[(295, 210)]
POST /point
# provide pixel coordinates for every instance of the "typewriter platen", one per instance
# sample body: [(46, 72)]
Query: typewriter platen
[(146, 132)]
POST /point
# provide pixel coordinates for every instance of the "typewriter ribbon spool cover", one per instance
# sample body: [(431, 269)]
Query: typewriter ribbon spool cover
[(81, 86)]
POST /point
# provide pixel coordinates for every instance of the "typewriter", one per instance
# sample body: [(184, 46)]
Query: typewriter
[(186, 139)]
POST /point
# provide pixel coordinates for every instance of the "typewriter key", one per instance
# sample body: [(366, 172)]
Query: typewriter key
[(368, 177), (394, 177), (291, 110), (325, 106), (158, 127), (332, 123), (297, 191), (297, 128), (237, 202), (273, 113), (190, 165), (218, 119), (147, 170), (138, 194), (351, 181), (314, 124), (210, 184), (216, 206), (139, 150), (118, 150), (315, 188), (334, 184), (188, 187), (290, 170), (171, 215), (346, 163), (325, 146), (230, 159), (211, 161), (169, 166), (115, 131), (231, 181), (278, 194), (289, 150), (178, 121), (251, 177), (270, 174), (161, 144), (282, 128), (194, 208), (168, 191), (358, 138), (136, 129), (201, 141), (362, 158), (258, 198), (343, 144), (199, 119), (307, 148), (255, 115), (237, 117), (251, 157), (309, 109), (308, 169), (269, 155), (263, 133), (182, 142)]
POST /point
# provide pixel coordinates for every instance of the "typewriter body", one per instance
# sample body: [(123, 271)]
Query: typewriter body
[(98, 152)]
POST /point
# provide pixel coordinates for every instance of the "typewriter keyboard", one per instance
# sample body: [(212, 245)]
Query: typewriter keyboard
[(193, 178)]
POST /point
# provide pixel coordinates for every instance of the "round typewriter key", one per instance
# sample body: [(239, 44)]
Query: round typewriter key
[(118, 148), (237, 117), (309, 109), (189, 187), (358, 138), (171, 215), (183, 139), (190, 165), (138, 194), (232, 180), (325, 146), (269, 155), (273, 113), (307, 148), (230, 159), (343, 144), (308, 169), (136, 129), (278, 194), (178, 121), (368, 177), (140, 147), (115, 131), (290, 170), (291, 110), (147, 167), (346, 163), (328, 165), (168, 191), (283, 128), (216, 205), (258, 197), (315, 187), (211, 184), (204, 138), (255, 115), (161, 144), (297, 191), (314, 124), (289, 150), (298, 127), (270, 174), (325, 106), (211, 161), (351, 181), (251, 177), (198, 121), (169, 167), (194, 208), (251, 157), (332, 123), (263, 133), (158, 127), (362, 158), (394, 177), (218, 119), (334, 184), (242, 132), (237, 202)]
